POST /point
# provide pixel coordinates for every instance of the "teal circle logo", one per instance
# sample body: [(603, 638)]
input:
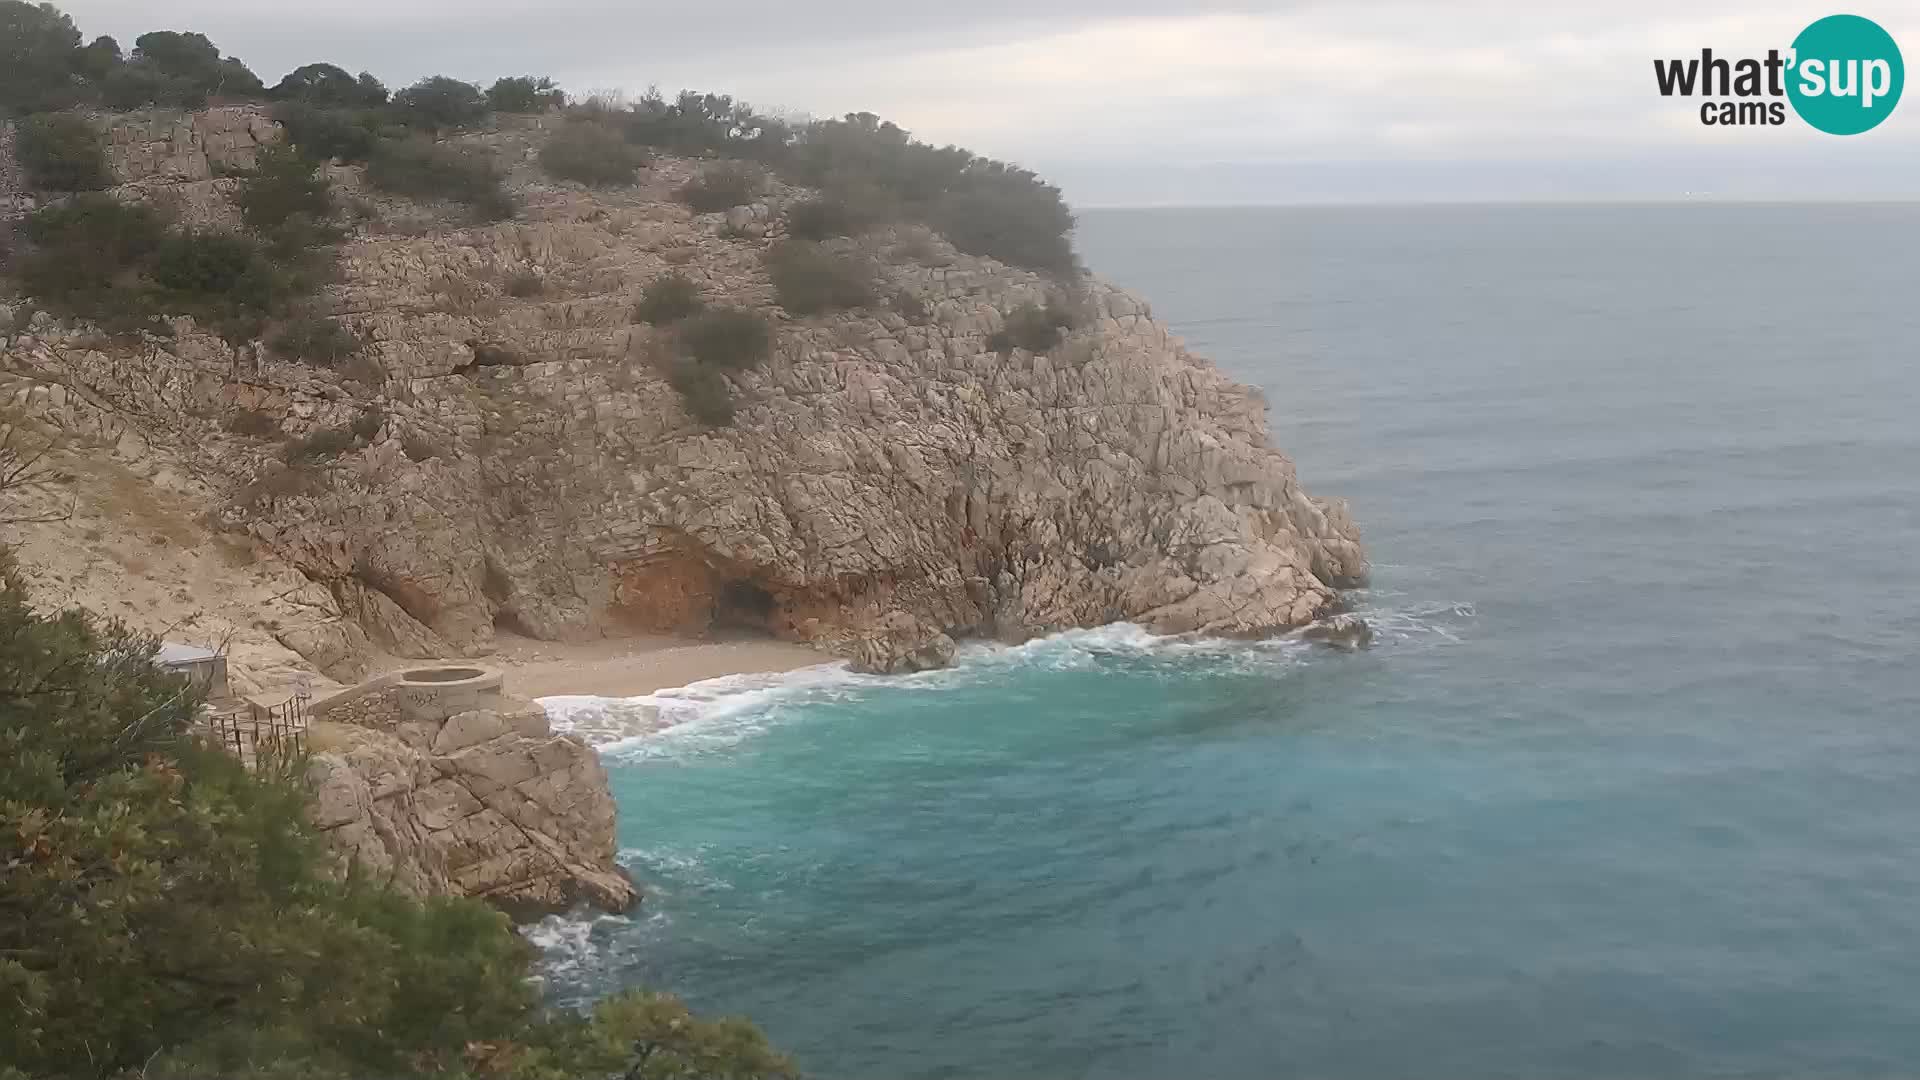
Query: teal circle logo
[(1847, 75)]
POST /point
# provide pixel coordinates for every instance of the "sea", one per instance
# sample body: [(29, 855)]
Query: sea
[(1628, 786)]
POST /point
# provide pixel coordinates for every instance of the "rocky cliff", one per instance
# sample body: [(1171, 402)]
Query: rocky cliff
[(485, 802), (890, 481)]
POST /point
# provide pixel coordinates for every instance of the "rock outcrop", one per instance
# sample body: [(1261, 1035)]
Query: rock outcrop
[(890, 482), (485, 802)]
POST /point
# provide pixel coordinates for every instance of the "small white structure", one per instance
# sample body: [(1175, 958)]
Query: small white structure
[(205, 668)]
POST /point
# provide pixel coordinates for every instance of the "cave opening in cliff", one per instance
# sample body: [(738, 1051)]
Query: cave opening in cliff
[(744, 606)]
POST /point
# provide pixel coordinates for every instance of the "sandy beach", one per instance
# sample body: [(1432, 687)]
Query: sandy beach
[(629, 667)]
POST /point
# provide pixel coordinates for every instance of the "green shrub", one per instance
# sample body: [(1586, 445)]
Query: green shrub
[(808, 279), (322, 445), (324, 134), (329, 86), (525, 94), (314, 340), (666, 299), (62, 152), (705, 392), (365, 426), (526, 283), (194, 264), (37, 51), (1032, 327), (441, 104), (593, 154), (909, 305), (253, 422), (421, 169), (695, 123), (722, 187), (85, 253), (731, 339), (419, 448), (824, 217), (288, 202)]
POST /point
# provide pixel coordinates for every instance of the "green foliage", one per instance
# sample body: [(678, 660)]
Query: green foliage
[(135, 85), (1033, 328), (721, 187), (367, 424), (419, 448), (985, 207), (441, 104), (666, 299), (592, 153), (347, 135), (705, 392), (808, 279), (191, 67), (824, 217), (169, 913), (314, 339), (253, 422), (328, 86), (421, 169), (305, 451), (909, 305), (214, 267), (525, 94), (287, 201), (98, 59), (695, 123), (731, 339), (39, 55), (62, 152), (647, 1036), (85, 250)]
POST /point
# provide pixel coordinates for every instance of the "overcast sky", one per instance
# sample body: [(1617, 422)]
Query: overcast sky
[(1128, 103)]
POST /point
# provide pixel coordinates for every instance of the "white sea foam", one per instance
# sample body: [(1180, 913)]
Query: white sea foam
[(721, 712)]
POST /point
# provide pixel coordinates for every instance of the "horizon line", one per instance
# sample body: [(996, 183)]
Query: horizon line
[(1663, 200)]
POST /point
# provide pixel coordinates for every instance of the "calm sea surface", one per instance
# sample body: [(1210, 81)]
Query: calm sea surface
[(1630, 785)]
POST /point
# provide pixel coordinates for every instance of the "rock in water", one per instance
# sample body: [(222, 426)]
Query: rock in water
[(1344, 632)]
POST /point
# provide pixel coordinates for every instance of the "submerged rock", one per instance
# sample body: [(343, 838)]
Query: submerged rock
[(1345, 632)]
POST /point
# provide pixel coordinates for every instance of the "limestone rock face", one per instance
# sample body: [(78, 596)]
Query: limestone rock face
[(890, 480), (487, 803), (900, 643)]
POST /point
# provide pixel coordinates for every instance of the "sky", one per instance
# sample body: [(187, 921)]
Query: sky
[(1126, 103)]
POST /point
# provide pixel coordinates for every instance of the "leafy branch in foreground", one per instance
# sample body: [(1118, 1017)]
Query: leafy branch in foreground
[(166, 912)]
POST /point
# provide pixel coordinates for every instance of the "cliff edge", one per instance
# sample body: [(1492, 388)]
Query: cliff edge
[(893, 477)]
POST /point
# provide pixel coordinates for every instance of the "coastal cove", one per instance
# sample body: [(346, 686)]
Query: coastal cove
[(1623, 787)]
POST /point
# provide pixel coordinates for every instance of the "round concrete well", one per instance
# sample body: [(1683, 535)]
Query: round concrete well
[(435, 693)]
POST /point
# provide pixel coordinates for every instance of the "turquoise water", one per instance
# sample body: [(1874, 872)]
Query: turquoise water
[(1627, 787)]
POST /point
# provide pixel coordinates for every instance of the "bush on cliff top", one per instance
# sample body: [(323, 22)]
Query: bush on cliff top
[(421, 169), (667, 298), (808, 279), (731, 339), (1034, 328), (440, 103), (525, 94), (722, 187), (593, 154)]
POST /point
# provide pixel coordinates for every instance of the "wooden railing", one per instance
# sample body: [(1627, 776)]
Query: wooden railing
[(262, 735)]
